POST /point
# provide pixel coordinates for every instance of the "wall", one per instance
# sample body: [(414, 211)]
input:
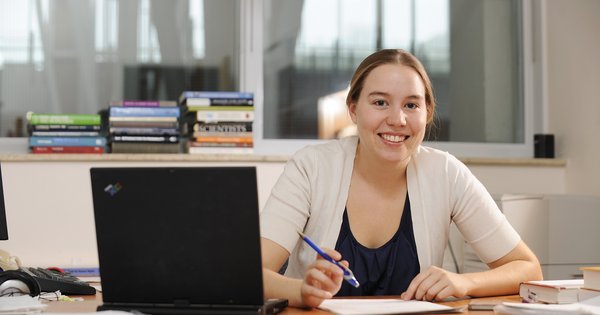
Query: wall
[(50, 211), (573, 47)]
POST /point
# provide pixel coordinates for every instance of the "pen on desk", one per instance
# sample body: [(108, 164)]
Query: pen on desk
[(348, 275)]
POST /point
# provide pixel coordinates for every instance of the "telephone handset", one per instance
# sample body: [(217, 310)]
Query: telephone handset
[(8, 262)]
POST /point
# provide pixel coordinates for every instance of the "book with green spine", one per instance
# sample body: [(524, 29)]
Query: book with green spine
[(63, 119)]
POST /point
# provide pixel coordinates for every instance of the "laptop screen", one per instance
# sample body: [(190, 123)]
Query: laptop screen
[(183, 236)]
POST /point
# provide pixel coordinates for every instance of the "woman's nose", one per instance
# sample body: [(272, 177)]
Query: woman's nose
[(396, 116)]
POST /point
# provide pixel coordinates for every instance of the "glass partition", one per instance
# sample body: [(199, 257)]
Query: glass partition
[(76, 56), (471, 50)]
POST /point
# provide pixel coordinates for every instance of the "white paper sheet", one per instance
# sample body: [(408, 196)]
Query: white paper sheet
[(383, 306)]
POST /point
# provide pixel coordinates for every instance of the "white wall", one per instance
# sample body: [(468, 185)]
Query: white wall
[(50, 211), (574, 90)]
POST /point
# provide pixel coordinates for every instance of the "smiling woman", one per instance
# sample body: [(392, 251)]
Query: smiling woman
[(392, 108), (382, 204)]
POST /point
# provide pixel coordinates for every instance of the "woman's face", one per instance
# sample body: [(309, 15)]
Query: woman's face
[(391, 113)]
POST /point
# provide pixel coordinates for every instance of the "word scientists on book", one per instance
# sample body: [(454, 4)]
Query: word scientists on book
[(218, 122)]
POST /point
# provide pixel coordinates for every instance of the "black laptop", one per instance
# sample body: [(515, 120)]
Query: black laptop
[(179, 240)]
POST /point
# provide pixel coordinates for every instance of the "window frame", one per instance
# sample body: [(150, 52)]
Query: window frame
[(532, 71)]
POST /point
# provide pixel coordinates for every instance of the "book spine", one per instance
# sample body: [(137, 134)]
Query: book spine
[(66, 133), (200, 134), (219, 108), (133, 103), (142, 119), (145, 147), (144, 112), (67, 141), (225, 139), (223, 127), (68, 119), (144, 124), (213, 94), (219, 144), (65, 127), (130, 131), (225, 116), (66, 149), (218, 150), (219, 102), (152, 139)]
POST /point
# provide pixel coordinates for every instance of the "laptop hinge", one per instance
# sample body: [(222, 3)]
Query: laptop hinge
[(181, 303)]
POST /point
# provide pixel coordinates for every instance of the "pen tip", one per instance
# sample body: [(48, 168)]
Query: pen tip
[(300, 233)]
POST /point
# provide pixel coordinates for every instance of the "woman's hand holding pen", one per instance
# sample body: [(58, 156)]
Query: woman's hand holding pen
[(437, 284), (322, 279)]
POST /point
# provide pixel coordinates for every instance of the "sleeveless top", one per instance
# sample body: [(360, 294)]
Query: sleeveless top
[(387, 270)]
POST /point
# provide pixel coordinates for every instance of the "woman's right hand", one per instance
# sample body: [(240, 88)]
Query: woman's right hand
[(322, 279)]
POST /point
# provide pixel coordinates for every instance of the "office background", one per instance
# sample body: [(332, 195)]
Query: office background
[(49, 202)]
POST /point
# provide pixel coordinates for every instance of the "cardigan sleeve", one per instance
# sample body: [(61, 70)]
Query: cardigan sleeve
[(477, 215), (288, 207)]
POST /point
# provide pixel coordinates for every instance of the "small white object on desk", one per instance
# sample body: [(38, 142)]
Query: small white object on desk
[(23, 304), (589, 307), (384, 306)]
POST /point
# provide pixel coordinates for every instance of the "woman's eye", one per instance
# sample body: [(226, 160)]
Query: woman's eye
[(379, 102), (411, 106)]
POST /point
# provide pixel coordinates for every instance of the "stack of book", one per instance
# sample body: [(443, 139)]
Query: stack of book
[(65, 133), (144, 126), (551, 291), (563, 291), (218, 122)]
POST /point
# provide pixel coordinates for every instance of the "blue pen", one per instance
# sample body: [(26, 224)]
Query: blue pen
[(348, 275)]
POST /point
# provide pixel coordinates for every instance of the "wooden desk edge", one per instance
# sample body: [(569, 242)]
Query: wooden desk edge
[(91, 302)]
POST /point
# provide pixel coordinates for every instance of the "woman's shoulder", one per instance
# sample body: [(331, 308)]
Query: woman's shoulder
[(431, 156), (425, 152), (331, 150)]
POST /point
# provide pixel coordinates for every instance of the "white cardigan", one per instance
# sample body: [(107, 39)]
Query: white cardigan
[(311, 195)]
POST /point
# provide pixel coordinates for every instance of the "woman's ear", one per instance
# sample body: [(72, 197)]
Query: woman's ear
[(352, 111)]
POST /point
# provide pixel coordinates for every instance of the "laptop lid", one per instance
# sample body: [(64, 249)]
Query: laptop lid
[(182, 236)]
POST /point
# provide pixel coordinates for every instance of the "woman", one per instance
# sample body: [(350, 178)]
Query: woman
[(384, 203)]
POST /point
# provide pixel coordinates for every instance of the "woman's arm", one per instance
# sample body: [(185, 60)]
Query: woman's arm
[(321, 281), (504, 277)]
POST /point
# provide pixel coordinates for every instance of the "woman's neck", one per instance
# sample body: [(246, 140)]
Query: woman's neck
[(377, 171)]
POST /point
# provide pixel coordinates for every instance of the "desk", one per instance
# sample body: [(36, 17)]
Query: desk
[(90, 304)]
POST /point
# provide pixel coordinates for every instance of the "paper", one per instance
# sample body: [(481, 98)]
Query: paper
[(383, 306), (23, 304)]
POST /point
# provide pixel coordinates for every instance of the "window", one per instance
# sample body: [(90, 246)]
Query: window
[(76, 56), (473, 52), (297, 56)]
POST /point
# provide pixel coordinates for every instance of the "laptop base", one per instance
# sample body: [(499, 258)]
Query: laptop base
[(271, 307)]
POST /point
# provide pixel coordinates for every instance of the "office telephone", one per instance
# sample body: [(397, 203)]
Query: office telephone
[(16, 279)]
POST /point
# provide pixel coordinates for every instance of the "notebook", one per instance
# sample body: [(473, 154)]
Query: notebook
[(179, 240)]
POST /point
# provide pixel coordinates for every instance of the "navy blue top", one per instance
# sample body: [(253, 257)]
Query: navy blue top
[(387, 270)]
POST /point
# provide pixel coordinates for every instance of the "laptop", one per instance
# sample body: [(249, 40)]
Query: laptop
[(179, 240)]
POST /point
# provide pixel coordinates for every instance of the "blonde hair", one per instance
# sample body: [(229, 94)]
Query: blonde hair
[(391, 56)]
